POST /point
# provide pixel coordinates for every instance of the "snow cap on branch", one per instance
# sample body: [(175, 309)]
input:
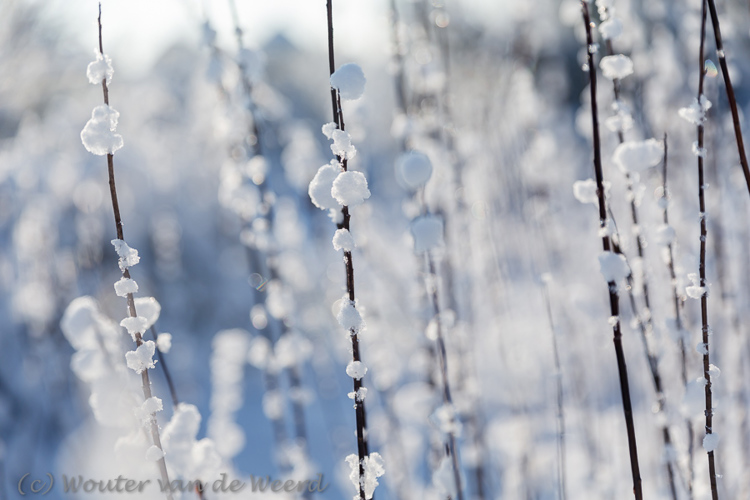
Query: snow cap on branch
[(98, 135), (349, 80)]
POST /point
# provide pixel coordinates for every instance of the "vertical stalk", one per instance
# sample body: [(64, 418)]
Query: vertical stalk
[(146, 383), (612, 285), (702, 263)]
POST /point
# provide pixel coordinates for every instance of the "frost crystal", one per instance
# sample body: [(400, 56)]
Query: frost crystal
[(134, 325), (128, 256), (695, 291), (699, 151), (585, 191), (149, 308), (414, 169), (342, 240), (328, 129), (342, 145), (613, 266), (359, 395), (616, 67), (356, 369), (348, 316), (428, 233), (611, 28), (98, 136), (373, 467), (710, 442), (125, 286), (100, 69), (321, 185), (696, 112), (350, 188), (349, 80), (636, 156), (142, 358), (154, 453), (164, 342), (148, 408)]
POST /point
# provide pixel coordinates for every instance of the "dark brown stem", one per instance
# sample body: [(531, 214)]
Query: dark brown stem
[(163, 362), (730, 91), (146, 383), (606, 244)]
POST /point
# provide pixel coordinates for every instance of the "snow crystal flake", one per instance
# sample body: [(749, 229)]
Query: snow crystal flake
[(342, 240), (373, 468), (613, 266), (164, 342), (349, 316), (142, 358), (427, 231), (695, 291), (636, 156), (98, 135), (128, 256), (414, 169), (350, 188), (134, 325), (350, 81), (99, 69), (699, 151), (356, 369), (616, 67), (342, 145), (154, 453), (125, 286), (696, 112), (321, 185), (710, 442)]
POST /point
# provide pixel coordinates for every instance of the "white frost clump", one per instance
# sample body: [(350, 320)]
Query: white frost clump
[(710, 442), (125, 286), (356, 369), (585, 191), (414, 169), (636, 156), (349, 80), (613, 266), (154, 453), (164, 342), (359, 395), (328, 129), (142, 358), (428, 233), (98, 135), (713, 371), (665, 234), (350, 188), (373, 467), (148, 408), (321, 185), (696, 112), (128, 256), (149, 308), (342, 240), (611, 28), (443, 478), (616, 67), (134, 325), (695, 291), (349, 317), (100, 69), (342, 145)]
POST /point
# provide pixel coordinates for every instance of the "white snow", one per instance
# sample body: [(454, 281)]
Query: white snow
[(695, 291), (349, 80), (611, 28), (349, 316), (616, 67), (164, 342), (259, 352), (443, 478), (427, 231), (134, 325), (350, 188), (696, 112), (360, 395), (149, 308), (585, 191), (99, 69), (342, 145), (701, 348), (613, 266), (273, 405), (373, 467), (154, 453), (342, 240), (148, 408), (356, 369), (98, 135), (128, 256), (414, 169), (328, 129), (665, 235), (321, 185), (699, 151), (125, 286), (142, 358), (713, 371), (636, 156), (710, 442)]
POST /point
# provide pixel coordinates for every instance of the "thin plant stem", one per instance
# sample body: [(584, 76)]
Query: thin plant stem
[(146, 383), (612, 285), (165, 369), (730, 90), (702, 263)]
